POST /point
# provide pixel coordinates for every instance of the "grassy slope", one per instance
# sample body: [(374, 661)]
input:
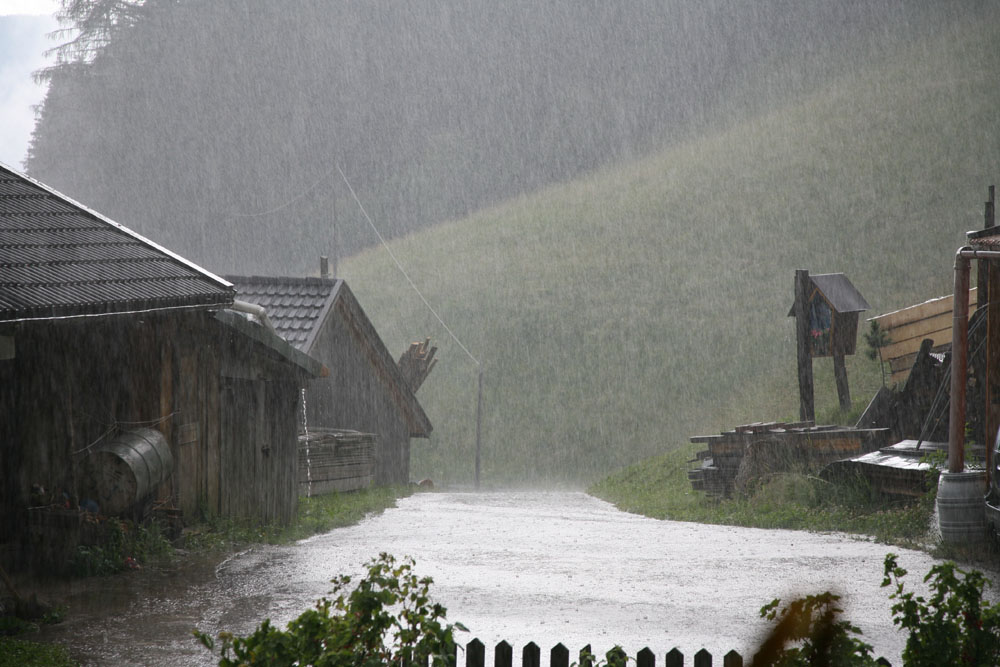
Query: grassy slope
[(616, 315)]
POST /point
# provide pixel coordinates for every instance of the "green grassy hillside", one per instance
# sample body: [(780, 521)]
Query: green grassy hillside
[(616, 315)]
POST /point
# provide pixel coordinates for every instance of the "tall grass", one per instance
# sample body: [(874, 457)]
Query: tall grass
[(659, 488), (616, 315)]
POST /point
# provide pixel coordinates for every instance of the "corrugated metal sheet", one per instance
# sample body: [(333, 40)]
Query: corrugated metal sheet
[(60, 259)]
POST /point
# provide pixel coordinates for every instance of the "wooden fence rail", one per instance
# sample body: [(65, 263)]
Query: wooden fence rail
[(559, 656)]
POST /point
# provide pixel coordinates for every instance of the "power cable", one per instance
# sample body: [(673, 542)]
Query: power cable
[(401, 269)]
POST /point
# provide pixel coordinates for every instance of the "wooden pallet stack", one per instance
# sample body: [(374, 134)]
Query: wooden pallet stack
[(734, 458), (335, 460)]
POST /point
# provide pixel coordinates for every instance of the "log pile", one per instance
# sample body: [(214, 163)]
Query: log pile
[(738, 458), (417, 363)]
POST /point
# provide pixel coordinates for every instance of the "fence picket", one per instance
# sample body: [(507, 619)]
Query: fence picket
[(503, 655), (475, 654), (674, 659), (531, 656), (559, 656)]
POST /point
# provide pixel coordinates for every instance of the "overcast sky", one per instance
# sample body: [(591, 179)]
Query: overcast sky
[(23, 28)]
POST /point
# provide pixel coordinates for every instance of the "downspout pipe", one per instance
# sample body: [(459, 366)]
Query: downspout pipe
[(960, 353), (255, 310)]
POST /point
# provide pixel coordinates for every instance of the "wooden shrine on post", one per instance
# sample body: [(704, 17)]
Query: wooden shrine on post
[(826, 311)]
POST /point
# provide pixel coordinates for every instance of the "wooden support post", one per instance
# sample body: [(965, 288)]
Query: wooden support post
[(807, 410), (843, 390), (986, 292)]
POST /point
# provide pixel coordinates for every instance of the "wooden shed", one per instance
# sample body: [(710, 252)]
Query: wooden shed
[(833, 306), (103, 332), (365, 391)]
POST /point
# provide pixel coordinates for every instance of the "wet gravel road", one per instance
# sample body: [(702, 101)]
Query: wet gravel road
[(524, 566)]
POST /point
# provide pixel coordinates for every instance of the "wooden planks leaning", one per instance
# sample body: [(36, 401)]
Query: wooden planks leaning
[(907, 327)]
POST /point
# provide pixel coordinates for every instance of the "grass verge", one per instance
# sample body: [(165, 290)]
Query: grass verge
[(317, 514), (22, 653), (659, 488)]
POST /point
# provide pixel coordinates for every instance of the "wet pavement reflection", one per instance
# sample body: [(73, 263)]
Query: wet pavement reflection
[(520, 566)]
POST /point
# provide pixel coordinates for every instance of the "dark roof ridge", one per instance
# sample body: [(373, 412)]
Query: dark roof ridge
[(282, 280)]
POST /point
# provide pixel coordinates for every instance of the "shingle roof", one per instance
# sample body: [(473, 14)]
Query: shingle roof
[(295, 306), (839, 291), (298, 308), (60, 259)]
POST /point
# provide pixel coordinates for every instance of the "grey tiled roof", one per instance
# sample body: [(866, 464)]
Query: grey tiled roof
[(295, 306), (60, 259)]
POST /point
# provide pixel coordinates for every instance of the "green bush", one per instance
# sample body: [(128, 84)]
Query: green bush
[(387, 618), (955, 626)]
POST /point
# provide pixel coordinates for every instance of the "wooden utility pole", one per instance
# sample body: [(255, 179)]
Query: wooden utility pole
[(479, 423), (807, 408)]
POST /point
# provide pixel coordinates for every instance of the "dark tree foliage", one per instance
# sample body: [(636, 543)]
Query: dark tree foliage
[(217, 128)]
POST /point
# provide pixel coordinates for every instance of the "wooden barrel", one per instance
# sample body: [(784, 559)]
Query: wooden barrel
[(961, 506), (129, 468)]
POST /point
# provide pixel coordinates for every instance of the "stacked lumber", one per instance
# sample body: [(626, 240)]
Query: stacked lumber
[(417, 362), (335, 460), (734, 459)]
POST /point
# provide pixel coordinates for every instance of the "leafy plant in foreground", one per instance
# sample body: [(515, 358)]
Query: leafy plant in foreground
[(388, 617), (955, 626), (811, 625)]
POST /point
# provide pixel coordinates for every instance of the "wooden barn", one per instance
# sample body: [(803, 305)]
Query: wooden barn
[(366, 390), (127, 379)]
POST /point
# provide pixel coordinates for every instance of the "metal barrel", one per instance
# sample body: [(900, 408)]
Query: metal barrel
[(961, 506), (130, 468)]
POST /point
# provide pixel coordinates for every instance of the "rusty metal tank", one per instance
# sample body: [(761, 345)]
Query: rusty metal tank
[(128, 469)]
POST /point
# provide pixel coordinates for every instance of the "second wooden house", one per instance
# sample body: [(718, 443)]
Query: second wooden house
[(365, 390)]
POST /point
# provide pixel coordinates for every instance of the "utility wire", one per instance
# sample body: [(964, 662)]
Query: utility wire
[(401, 269)]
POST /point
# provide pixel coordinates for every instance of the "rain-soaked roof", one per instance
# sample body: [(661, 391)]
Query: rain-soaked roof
[(839, 291), (60, 259), (295, 306)]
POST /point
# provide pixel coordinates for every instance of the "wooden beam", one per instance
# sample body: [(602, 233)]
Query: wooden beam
[(807, 410)]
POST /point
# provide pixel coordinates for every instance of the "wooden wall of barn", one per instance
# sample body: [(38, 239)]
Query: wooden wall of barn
[(260, 405), (357, 396), (72, 385), (76, 383)]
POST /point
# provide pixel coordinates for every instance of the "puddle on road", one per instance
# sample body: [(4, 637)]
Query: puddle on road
[(543, 567)]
